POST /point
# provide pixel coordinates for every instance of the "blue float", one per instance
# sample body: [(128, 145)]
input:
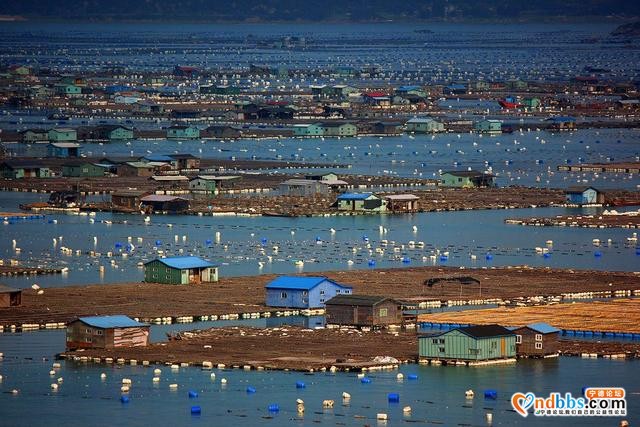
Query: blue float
[(491, 394), (196, 410), (412, 377), (638, 251), (488, 257), (371, 263), (365, 380), (158, 242), (393, 397), (406, 260), (300, 384), (208, 242), (597, 254), (546, 255), (251, 390), (443, 258), (274, 407), (124, 399), (193, 394), (264, 241)]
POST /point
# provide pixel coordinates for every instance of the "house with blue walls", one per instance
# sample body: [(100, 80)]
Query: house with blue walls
[(303, 292), (584, 196)]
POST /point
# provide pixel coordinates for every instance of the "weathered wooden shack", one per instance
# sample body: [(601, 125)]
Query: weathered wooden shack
[(106, 332), (10, 297), (537, 340), (363, 310)]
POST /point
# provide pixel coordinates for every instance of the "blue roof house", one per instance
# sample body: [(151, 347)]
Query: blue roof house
[(186, 270), (584, 196), (303, 292), (106, 332)]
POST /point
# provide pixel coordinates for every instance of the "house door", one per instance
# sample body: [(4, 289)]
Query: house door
[(194, 276), (355, 315), (502, 347)]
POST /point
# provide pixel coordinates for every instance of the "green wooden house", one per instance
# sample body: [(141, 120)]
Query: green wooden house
[(466, 179), (62, 135), (308, 130), (423, 125), (488, 126), (84, 170), (183, 132), (339, 129), (468, 344), (68, 89), (185, 270), (530, 103), (113, 133), (204, 184)]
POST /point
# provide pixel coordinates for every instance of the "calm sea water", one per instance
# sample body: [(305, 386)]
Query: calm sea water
[(436, 396), (530, 158), (246, 243)]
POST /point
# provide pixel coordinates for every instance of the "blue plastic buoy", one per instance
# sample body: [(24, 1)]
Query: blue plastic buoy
[(196, 410), (597, 254), (193, 394), (546, 255), (443, 258), (124, 399), (488, 257), (274, 407), (637, 251), (412, 377), (208, 242), (264, 241), (251, 390), (491, 394), (158, 243), (406, 260), (365, 380), (300, 384), (393, 397), (371, 263)]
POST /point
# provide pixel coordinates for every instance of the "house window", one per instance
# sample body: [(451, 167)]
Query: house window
[(441, 349), (434, 341), (474, 351), (518, 339), (306, 293), (283, 295), (384, 312), (88, 339), (322, 292), (538, 346), (441, 340), (89, 331), (538, 337), (99, 332), (494, 344)]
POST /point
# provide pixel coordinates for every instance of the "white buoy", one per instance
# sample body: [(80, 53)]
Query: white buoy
[(400, 376), (173, 386), (489, 417), (124, 389), (103, 376), (54, 386), (213, 376), (468, 394), (52, 372), (157, 371), (346, 395), (414, 228), (406, 409), (223, 381), (156, 379), (382, 417)]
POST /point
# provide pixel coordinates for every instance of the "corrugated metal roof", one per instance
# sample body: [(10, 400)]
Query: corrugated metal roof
[(361, 300), (184, 262), (485, 331), (354, 196), (160, 198), (4, 289), (401, 197), (543, 328), (297, 282), (115, 321)]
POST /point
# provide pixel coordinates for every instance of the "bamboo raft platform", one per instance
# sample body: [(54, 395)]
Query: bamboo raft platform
[(621, 316), (614, 167)]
